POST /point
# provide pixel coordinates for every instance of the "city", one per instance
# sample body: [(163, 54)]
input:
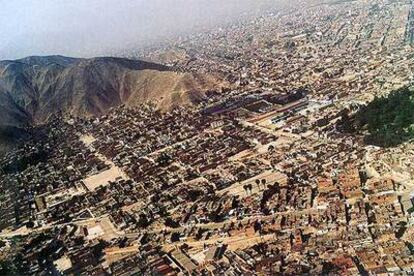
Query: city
[(259, 178)]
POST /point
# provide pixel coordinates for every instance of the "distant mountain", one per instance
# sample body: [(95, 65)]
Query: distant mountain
[(34, 88)]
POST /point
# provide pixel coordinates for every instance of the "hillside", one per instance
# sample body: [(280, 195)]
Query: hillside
[(34, 88)]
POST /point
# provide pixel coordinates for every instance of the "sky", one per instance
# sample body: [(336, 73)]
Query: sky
[(86, 28)]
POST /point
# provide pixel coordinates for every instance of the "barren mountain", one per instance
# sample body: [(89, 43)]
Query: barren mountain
[(34, 88)]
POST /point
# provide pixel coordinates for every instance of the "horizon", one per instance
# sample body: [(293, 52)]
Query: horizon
[(105, 27)]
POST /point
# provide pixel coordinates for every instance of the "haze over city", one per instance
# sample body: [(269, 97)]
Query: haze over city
[(101, 27)]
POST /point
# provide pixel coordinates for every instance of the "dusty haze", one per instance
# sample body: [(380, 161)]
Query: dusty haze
[(85, 28)]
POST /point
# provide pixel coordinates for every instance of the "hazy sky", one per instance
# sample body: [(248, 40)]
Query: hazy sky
[(95, 27)]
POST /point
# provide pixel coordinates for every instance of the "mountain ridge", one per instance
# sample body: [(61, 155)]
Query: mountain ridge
[(34, 88)]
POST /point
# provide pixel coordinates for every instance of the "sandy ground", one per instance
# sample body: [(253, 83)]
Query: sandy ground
[(103, 178), (87, 140), (107, 230)]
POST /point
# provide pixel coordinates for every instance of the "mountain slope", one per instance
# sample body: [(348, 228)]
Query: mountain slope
[(34, 88)]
